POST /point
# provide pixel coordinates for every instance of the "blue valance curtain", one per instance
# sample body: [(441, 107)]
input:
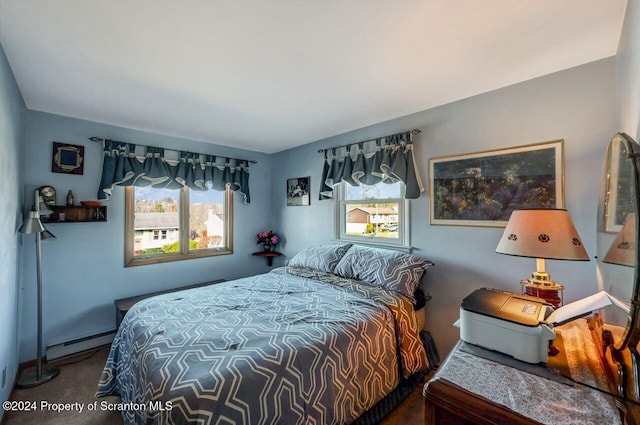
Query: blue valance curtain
[(122, 167), (387, 159)]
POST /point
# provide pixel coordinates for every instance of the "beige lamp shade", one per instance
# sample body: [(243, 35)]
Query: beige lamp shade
[(623, 248), (542, 233)]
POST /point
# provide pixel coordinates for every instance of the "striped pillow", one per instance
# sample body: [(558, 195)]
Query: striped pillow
[(324, 257), (392, 270)]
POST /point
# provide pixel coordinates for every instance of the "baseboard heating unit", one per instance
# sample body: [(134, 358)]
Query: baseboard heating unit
[(79, 345)]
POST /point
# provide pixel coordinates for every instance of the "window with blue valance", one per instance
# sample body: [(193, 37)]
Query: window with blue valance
[(123, 167), (387, 159)]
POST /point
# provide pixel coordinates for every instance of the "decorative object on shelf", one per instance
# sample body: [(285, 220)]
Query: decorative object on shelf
[(93, 204), (41, 373), (98, 215), (268, 239), (482, 188), (48, 195), (542, 234), (298, 192), (70, 198), (67, 159)]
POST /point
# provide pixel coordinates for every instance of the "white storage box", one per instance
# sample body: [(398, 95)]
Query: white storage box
[(510, 323), (518, 324)]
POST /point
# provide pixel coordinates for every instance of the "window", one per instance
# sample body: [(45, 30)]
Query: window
[(375, 214), (170, 225)]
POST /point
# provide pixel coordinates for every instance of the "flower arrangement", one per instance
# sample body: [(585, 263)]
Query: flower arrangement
[(268, 239)]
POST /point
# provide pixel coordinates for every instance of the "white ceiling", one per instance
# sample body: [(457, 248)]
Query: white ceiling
[(268, 75)]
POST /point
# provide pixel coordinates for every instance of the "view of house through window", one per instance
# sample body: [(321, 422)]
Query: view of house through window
[(373, 212), (168, 225), (156, 214)]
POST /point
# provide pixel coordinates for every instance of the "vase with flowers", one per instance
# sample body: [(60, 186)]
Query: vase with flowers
[(268, 239)]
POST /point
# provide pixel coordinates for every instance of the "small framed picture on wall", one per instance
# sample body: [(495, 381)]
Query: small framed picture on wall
[(67, 159), (298, 192)]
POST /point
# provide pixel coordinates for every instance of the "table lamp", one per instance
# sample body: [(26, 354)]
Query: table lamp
[(542, 234)]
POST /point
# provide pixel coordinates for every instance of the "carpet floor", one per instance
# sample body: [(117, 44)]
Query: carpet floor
[(75, 387)]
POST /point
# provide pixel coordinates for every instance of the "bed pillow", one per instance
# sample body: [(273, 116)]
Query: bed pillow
[(324, 257), (392, 270)]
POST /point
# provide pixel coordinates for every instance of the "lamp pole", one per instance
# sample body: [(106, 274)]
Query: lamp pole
[(42, 373)]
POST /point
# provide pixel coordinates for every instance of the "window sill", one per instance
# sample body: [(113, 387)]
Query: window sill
[(376, 244), (165, 258)]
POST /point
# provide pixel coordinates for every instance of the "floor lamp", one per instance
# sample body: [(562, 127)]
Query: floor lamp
[(41, 373)]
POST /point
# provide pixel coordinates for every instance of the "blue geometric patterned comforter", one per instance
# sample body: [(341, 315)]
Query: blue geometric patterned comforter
[(278, 348)]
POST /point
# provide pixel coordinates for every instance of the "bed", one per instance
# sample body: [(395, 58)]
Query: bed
[(320, 341)]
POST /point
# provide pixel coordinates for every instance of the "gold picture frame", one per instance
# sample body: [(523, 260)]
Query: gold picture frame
[(67, 159)]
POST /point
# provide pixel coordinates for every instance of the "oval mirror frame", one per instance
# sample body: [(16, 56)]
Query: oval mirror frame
[(618, 237)]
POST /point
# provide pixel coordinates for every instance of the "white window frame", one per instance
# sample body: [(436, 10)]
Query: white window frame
[(184, 253), (340, 225)]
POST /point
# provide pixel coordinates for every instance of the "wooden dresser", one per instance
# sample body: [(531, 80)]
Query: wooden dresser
[(469, 389)]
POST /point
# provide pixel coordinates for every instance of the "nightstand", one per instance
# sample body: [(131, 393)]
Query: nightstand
[(469, 389)]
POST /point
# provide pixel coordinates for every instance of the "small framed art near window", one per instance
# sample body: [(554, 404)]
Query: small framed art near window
[(298, 192), (483, 188), (67, 159)]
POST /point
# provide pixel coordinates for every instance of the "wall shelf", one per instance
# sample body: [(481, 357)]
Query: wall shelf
[(76, 214), (269, 255)]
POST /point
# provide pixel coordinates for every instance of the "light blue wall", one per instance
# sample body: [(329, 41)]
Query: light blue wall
[(577, 105), (83, 267), (628, 72), (12, 113)]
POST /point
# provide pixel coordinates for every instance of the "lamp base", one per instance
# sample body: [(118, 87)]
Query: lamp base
[(552, 296), (29, 378), (542, 286)]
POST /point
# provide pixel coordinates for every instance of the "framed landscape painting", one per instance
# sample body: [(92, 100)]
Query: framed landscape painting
[(483, 188)]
